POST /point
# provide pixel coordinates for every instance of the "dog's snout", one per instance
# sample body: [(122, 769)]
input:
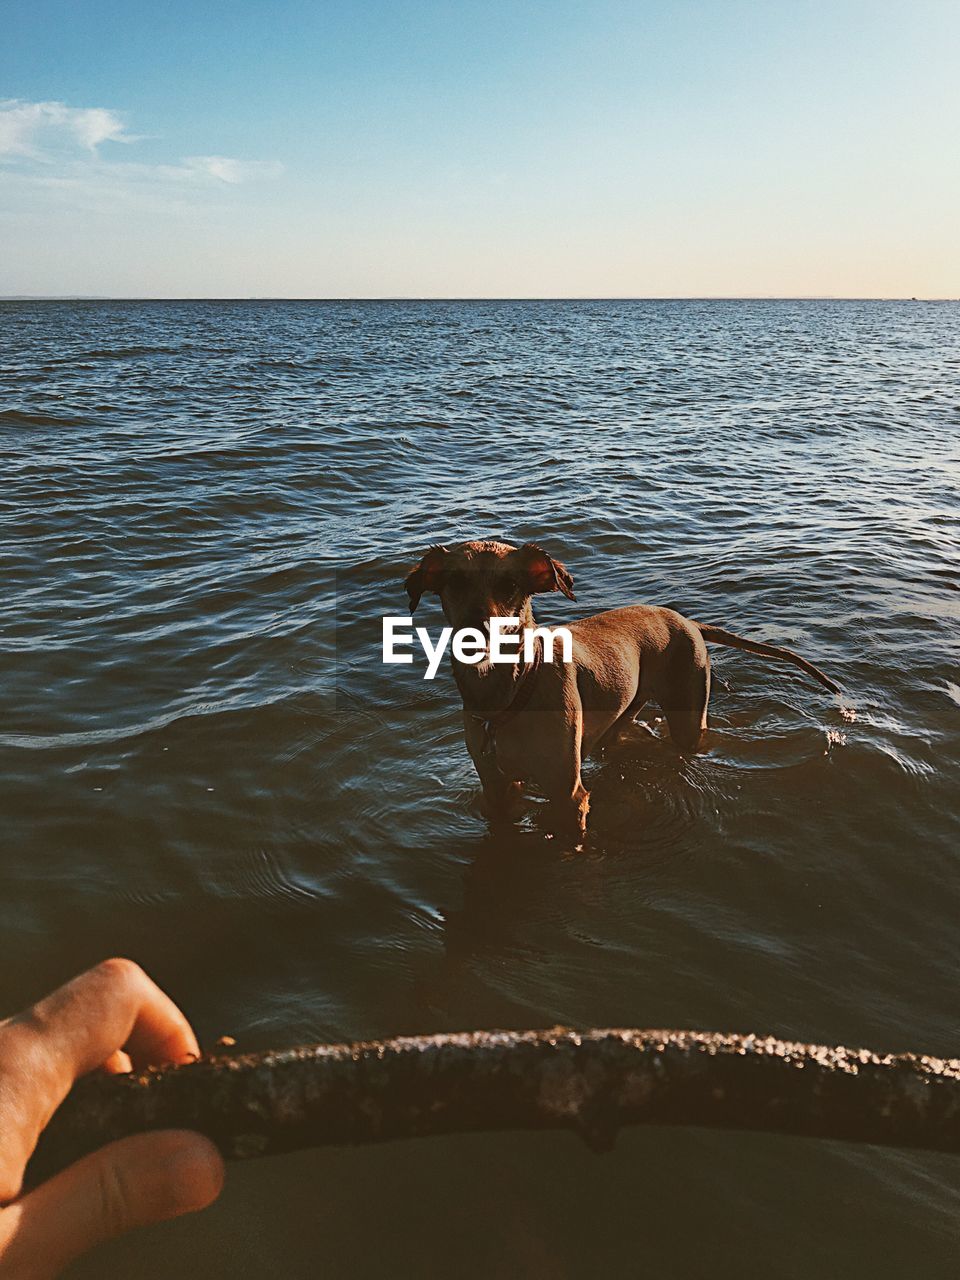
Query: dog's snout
[(482, 617)]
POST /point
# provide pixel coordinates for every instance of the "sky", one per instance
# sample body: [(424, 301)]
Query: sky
[(604, 148)]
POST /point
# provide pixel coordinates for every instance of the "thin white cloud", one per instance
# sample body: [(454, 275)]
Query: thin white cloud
[(33, 129), (52, 145), (233, 171)]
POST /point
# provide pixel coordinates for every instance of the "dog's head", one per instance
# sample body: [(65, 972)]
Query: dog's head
[(477, 581)]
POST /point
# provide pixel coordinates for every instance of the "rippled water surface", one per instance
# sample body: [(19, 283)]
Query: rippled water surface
[(209, 506)]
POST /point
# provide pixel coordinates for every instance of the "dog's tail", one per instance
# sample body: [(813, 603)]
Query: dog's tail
[(716, 635)]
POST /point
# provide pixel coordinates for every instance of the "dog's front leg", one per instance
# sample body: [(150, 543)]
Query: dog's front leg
[(569, 809), (501, 795), (558, 776), (501, 798)]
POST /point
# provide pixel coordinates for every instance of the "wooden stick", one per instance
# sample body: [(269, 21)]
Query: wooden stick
[(592, 1082)]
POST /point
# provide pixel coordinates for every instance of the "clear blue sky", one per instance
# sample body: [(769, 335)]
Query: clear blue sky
[(465, 149)]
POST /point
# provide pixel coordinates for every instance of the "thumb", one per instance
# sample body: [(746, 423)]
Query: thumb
[(142, 1179)]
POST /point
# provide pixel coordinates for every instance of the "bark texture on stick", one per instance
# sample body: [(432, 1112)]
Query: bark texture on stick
[(592, 1082)]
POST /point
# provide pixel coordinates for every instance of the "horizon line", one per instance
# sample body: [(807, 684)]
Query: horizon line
[(404, 297)]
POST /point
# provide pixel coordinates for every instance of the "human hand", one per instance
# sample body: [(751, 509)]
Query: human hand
[(112, 1017)]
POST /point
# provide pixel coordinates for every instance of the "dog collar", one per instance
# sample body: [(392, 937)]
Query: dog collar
[(522, 695)]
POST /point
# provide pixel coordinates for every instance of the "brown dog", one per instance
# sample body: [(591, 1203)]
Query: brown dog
[(533, 722)]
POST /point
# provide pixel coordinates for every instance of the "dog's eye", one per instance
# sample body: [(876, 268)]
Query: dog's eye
[(510, 584)]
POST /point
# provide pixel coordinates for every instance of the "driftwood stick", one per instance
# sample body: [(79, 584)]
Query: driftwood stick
[(592, 1082)]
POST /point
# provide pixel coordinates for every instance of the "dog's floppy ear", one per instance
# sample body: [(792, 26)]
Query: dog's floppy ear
[(427, 576), (545, 573)]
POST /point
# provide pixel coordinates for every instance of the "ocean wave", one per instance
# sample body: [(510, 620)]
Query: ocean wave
[(34, 418)]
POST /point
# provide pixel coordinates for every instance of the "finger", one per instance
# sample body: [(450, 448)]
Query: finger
[(118, 1063), (146, 1178), (71, 1032), (112, 1006)]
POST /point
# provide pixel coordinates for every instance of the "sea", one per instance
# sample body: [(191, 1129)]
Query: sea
[(209, 507)]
